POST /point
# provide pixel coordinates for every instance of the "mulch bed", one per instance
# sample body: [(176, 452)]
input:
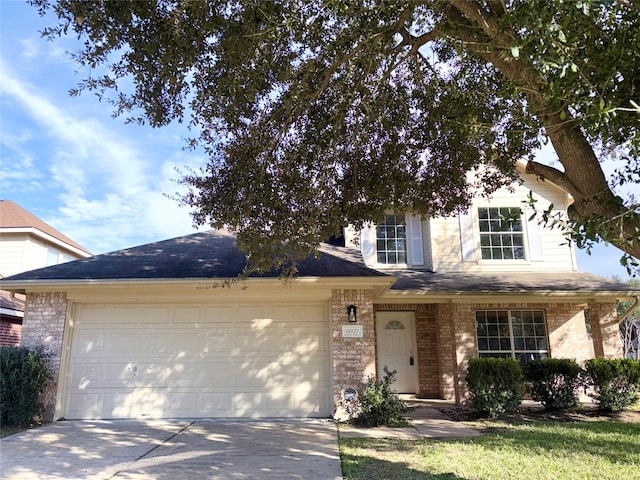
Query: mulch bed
[(529, 413)]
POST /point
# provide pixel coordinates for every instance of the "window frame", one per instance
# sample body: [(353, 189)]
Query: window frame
[(506, 236), (520, 354), (378, 238)]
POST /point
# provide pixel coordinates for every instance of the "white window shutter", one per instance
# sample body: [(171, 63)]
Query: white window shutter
[(368, 244), (534, 236), (467, 237), (417, 245)]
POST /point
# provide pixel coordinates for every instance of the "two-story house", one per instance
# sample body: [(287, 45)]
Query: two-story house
[(27, 242), (162, 330)]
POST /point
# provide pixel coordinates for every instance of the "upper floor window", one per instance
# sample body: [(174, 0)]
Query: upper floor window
[(391, 240), (519, 334), (501, 233)]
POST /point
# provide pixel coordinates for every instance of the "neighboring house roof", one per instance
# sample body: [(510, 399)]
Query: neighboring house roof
[(507, 282), (11, 305), (15, 218), (211, 254)]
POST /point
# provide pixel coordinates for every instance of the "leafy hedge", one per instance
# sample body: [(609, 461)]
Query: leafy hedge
[(378, 404), (615, 382), (554, 382), (24, 373), (496, 385)]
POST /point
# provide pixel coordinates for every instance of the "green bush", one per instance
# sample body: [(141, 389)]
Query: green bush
[(378, 404), (496, 385), (615, 382), (554, 382), (23, 376)]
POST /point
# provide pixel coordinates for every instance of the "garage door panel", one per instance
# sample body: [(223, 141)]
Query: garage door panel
[(155, 316), (117, 375), (121, 343), (216, 404), (199, 361), (311, 403), (84, 405), (187, 315), (218, 315), (88, 344), (82, 376)]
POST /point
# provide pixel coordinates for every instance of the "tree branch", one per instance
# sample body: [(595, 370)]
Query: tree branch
[(545, 172), (474, 11)]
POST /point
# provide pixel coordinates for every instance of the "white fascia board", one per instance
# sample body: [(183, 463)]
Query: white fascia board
[(11, 312), (199, 286), (540, 296)]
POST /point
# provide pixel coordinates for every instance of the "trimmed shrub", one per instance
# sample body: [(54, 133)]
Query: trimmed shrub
[(496, 385), (378, 404), (554, 382), (615, 382), (23, 376)]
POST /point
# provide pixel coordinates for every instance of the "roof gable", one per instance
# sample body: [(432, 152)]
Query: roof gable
[(14, 216)]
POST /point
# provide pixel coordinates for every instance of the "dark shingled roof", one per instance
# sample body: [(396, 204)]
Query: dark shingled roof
[(214, 254), (211, 254), (505, 282)]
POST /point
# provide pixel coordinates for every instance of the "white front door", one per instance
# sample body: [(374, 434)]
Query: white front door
[(396, 348)]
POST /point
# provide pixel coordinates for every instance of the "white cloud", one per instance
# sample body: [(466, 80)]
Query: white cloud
[(110, 186)]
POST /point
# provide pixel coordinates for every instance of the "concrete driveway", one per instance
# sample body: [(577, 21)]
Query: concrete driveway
[(172, 450)]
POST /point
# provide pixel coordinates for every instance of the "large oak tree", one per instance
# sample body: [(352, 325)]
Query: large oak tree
[(319, 114)]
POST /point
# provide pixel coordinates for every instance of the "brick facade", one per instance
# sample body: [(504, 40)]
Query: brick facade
[(605, 330), (446, 339), (10, 332), (43, 325), (353, 359)]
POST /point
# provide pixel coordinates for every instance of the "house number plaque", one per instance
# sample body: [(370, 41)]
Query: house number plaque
[(352, 331)]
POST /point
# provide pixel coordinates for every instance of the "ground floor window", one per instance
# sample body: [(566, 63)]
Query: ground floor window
[(519, 334)]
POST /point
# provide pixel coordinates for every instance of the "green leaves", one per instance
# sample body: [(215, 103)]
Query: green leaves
[(320, 114)]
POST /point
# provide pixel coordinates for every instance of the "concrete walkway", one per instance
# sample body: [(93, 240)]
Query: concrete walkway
[(165, 450), (426, 422)]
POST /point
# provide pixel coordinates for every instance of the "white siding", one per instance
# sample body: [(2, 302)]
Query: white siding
[(546, 248), (11, 254), (21, 252), (418, 249)]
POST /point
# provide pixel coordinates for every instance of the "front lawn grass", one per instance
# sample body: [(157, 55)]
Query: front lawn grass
[(535, 450)]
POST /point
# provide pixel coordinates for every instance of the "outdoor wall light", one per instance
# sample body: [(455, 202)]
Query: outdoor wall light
[(352, 313)]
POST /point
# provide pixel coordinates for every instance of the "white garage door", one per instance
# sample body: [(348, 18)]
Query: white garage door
[(176, 361)]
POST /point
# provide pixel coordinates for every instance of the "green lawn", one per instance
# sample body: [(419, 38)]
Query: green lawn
[(537, 450)]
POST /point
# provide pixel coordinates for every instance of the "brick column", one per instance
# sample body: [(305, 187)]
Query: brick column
[(567, 332), (464, 331), (43, 325), (605, 330), (446, 351), (427, 341), (353, 359)]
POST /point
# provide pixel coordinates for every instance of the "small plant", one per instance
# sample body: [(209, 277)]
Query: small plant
[(378, 404), (23, 375), (496, 385), (615, 382), (554, 382)]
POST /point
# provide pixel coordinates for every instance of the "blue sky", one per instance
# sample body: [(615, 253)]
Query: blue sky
[(101, 182)]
